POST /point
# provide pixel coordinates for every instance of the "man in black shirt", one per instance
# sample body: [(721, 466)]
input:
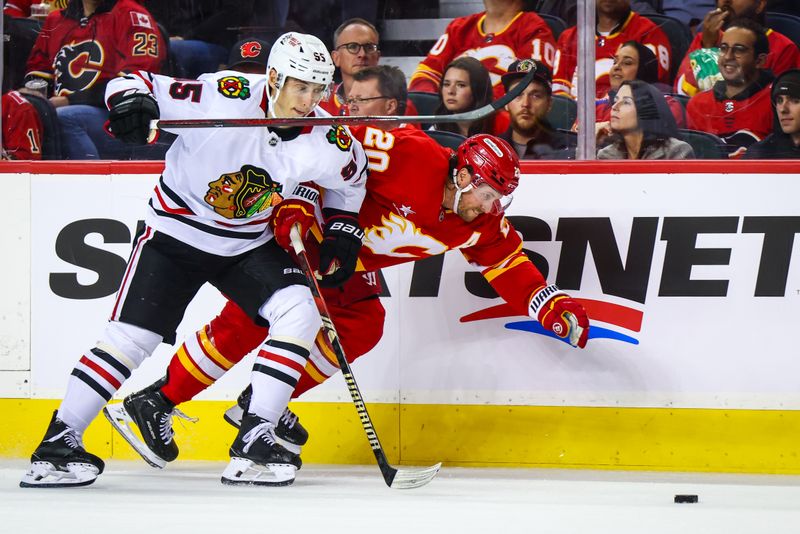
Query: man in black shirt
[(530, 133), (784, 143)]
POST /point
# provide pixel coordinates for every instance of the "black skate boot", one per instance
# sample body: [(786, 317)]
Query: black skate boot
[(290, 433), (257, 459), (151, 413), (60, 460)]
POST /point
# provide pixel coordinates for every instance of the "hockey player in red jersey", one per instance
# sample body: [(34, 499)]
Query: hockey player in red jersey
[(616, 24), (495, 37), (738, 108), (22, 128), (411, 212), (698, 70)]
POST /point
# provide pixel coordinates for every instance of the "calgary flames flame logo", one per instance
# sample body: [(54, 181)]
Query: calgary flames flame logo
[(399, 237)]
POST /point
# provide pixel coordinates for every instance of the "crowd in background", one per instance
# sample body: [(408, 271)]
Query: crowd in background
[(675, 79)]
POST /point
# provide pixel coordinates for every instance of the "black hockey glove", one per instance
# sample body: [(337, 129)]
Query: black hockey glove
[(130, 115), (341, 241)]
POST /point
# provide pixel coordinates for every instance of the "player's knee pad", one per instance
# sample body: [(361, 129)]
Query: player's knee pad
[(292, 315), (128, 342)]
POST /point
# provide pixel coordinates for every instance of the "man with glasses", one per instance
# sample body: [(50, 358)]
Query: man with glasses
[(355, 47), (698, 70), (738, 107), (378, 90)]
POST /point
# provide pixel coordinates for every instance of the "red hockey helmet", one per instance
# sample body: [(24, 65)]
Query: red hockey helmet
[(492, 162)]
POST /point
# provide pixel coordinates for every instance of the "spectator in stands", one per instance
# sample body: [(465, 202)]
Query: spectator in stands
[(466, 86), (379, 90), (79, 50), (496, 37), (616, 24), (699, 70), (249, 55), (642, 126), (356, 46), (737, 108), (22, 128), (634, 61), (531, 135), (784, 142)]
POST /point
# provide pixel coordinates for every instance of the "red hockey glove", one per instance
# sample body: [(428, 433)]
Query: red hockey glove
[(560, 314), (341, 242), (288, 213)]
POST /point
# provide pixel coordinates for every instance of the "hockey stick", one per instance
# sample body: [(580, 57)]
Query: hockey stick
[(347, 120), (395, 478)]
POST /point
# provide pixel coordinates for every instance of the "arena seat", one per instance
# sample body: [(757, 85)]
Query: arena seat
[(680, 38), (446, 139), (705, 145), (788, 25)]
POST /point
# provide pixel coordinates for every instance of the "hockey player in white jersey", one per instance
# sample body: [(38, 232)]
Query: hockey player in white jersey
[(207, 222)]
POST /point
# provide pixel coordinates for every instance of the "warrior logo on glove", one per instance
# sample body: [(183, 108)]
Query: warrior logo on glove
[(558, 312), (242, 194)]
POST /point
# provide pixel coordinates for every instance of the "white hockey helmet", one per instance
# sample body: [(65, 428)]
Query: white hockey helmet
[(300, 56)]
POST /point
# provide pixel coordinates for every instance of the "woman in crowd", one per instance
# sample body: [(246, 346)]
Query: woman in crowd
[(642, 126), (466, 86), (634, 61)]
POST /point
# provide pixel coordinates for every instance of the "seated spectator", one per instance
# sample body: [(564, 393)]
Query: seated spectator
[(642, 126), (495, 37), (529, 133), (699, 70), (784, 143), (616, 24), (78, 51), (356, 46), (466, 86), (738, 108), (22, 128), (379, 91), (634, 61), (249, 56)]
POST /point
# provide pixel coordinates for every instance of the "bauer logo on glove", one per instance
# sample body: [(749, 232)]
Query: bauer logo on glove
[(559, 313)]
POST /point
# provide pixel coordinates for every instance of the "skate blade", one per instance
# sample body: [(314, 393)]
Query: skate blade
[(244, 472), (123, 423), (233, 416), (47, 475)]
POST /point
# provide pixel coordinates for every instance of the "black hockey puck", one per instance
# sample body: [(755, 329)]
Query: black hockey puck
[(686, 498)]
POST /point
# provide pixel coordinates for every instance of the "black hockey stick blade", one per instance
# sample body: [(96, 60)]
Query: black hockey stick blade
[(394, 478), (348, 120)]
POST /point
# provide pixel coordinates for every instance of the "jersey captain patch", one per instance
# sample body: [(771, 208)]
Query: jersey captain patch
[(338, 136), (242, 194), (234, 87)]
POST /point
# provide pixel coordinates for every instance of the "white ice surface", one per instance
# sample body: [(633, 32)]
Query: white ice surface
[(187, 497)]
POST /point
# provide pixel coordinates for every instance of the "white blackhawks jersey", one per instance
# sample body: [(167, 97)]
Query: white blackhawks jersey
[(220, 184)]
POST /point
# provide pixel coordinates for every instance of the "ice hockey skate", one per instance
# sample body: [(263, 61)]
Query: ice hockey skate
[(60, 460), (148, 414), (257, 459), (289, 432)]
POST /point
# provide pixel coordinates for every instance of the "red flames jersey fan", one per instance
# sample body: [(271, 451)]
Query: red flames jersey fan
[(634, 28), (526, 36), (22, 128), (79, 55)]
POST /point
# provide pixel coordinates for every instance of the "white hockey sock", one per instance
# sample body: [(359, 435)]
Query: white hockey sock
[(275, 373)]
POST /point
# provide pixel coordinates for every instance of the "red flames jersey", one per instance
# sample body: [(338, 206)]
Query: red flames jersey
[(749, 113), (22, 128), (77, 58), (18, 8), (403, 218), (783, 55), (635, 28), (526, 36)]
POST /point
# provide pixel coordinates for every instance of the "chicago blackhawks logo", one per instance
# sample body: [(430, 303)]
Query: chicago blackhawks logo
[(338, 136), (77, 66), (243, 194), (234, 87)]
